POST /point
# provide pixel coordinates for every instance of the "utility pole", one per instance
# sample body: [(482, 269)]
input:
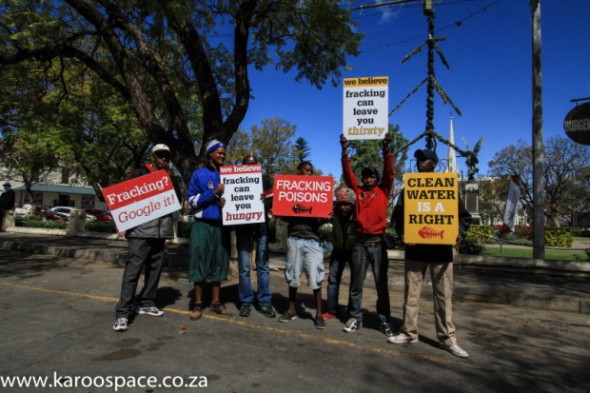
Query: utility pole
[(538, 148)]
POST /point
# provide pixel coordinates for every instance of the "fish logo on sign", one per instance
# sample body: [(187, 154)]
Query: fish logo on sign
[(430, 233), (299, 208)]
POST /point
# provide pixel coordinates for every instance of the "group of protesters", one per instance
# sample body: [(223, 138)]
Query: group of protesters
[(359, 222)]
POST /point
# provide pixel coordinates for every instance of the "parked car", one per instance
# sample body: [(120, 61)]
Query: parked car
[(66, 211), (101, 215), (47, 213)]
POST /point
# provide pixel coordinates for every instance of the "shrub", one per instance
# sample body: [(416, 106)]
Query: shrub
[(100, 226), (38, 222), (558, 237), (470, 246), (479, 233)]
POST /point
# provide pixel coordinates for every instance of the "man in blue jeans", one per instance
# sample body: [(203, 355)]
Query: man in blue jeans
[(245, 235)]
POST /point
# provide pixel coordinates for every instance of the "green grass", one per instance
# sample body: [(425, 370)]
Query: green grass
[(527, 253)]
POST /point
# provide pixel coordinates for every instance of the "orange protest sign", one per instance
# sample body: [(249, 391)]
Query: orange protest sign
[(431, 208), (295, 195)]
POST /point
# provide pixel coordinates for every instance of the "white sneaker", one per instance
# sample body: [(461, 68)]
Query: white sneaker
[(456, 350), (120, 325), (352, 325), (402, 338), (153, 311)]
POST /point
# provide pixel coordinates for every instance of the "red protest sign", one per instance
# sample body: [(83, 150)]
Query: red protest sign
[(141, 199), (300, 196)]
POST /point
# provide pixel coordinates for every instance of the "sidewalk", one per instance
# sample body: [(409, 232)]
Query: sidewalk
[(537, 284)]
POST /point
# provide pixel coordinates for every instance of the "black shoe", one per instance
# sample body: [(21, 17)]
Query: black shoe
[(245, 310), (319, 322), (385, 329), (288, 316), (267, 311)]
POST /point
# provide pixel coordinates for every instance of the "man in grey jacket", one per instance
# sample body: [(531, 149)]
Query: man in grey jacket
[(145, 251)]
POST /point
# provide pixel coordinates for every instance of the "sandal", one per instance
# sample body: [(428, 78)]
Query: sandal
[(197, 312), (220, 309)]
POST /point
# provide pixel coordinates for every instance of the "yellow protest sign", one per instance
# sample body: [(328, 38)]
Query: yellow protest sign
[(431, 208)]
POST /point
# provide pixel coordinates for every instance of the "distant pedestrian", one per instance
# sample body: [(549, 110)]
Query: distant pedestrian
[(372, 199), (209, 244), (146, 247), (439, 259), (343, 239), (304, 254), (7, 201), (258, 234)]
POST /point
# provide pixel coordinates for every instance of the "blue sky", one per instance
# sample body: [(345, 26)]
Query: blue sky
[(489, 80)]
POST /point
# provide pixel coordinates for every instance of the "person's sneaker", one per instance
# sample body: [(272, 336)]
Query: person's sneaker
[(385, 329), (120, 325), (267, 311), (456, 350), (245, 310), (288, 316), (328, 315), (152, 311), (352, 325), (402, 339), (319, 322)]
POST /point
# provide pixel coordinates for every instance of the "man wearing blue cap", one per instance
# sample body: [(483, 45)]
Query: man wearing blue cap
[(209, 246), (439, 259)]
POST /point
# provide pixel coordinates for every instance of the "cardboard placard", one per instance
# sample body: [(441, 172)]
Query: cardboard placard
[(431, 208), (141, 199), (365, 107), (243, 190), (303, 196)]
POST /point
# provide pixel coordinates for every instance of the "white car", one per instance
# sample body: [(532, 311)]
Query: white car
[(65, 211)]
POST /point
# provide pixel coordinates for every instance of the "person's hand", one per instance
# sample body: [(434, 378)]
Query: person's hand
[(343, 142), (386, 142), (221, 202), (219, 190)]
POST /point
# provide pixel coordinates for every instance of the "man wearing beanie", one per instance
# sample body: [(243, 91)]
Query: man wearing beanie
[(343, 236), (372, 199), (209, 245)]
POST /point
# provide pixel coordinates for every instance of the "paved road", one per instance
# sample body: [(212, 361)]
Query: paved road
[(57, 315)]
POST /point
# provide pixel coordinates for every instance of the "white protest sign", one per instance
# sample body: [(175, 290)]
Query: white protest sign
[(365, 107), (243, 190), (141, 199)]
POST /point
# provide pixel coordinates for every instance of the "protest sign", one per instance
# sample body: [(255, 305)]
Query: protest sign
[(141, 199), (303, 196), (365, 107), (243, 190), (431, 208)]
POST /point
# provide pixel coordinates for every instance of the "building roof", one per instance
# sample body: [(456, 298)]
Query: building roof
[(59, 188)]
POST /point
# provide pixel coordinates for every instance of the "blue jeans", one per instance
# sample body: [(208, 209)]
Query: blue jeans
[(244, 240), (375, 254), (338, 260)]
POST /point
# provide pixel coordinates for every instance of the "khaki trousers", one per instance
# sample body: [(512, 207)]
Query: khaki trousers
[(442, 286)]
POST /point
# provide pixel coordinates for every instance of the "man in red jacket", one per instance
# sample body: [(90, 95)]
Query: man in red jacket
[(372, 199)]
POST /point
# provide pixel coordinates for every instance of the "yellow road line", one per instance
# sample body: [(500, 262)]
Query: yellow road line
[(306, 336)]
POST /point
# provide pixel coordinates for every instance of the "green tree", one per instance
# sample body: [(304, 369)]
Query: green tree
[(182, 66), (271, 143), (563, 159), (302, 149)]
